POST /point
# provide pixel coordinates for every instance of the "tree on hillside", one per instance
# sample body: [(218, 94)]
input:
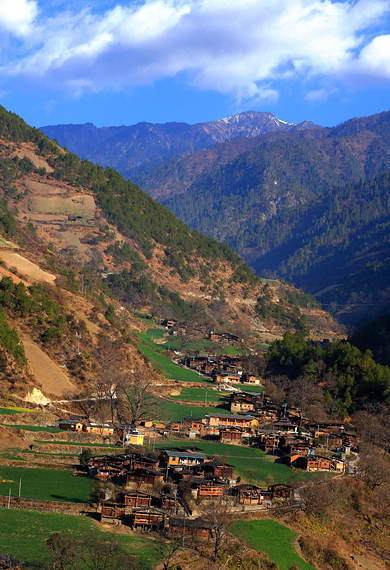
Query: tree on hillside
[(138, 397), (219, 514)]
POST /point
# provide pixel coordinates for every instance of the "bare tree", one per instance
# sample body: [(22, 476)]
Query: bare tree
[(305, 394), (137, 393), (62, 552), (374, 466), (219, 514), (168, 543), (103, 553)]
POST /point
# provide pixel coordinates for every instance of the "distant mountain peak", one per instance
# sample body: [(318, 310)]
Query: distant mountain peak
[(137, 148)]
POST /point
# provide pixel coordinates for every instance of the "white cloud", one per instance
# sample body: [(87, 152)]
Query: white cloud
[(320, 94), (374, 59), (17, 16), (237, 47)]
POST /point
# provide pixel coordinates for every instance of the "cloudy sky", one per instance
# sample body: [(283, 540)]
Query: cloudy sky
[(113, 63)]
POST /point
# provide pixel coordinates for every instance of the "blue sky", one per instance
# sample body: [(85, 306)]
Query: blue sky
[(114, 63)]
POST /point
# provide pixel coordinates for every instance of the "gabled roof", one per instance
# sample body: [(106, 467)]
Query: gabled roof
[(230, 416), (186, 454)]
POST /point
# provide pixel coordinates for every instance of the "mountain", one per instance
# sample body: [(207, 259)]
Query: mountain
[(265, 203), (134, 149), (337, 247), (82, 251)]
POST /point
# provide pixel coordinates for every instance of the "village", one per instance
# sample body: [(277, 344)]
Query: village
[(170, 486)]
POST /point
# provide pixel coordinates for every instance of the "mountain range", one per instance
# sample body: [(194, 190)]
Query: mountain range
[(275, 192), (133, 149), (83, 251)]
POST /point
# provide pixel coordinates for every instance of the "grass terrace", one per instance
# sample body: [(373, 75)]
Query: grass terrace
[(33, 428), (250, 388), (174, 411), (202, 395), (23, 535), (171, 370), (49, 484), (274, 538), (77, 444), (8, 411)]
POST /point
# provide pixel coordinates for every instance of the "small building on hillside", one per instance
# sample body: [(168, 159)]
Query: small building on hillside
[(230, 420), (179, 457)]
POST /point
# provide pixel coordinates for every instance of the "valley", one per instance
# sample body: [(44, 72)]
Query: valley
[(151, 382)]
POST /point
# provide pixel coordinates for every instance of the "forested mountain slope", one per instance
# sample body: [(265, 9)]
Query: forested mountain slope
[(262, 182), (336, 247), (82, 249)]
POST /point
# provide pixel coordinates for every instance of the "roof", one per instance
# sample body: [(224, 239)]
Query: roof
[(145, 470), (230, 416), (186, 454), (190, 523)]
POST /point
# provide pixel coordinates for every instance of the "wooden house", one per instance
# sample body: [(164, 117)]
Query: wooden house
[(252, 495), (230, 420), (70, 424), (285, 426), (101, 429), (310, 462), (137, 498), (225, 378), (250, 379), (112, 513), (148, 518), (139, 461), (232, 435), (280, 491), (242, 405), (194, 528), (145, 476), (178, 458)]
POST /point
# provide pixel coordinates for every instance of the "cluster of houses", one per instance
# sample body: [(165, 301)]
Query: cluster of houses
[(254, 420), (223, 370), (165, 491)]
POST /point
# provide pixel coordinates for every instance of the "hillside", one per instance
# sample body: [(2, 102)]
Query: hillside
[(260, 193), (83, 250), (133, 149)]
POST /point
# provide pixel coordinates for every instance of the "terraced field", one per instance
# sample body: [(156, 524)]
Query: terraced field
[(23, 535)]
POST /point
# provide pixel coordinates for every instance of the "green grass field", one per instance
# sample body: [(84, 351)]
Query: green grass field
[(23, 535), (32, 428), (50, 484), (168, 368), (173, 411), (11, 411), (249, 388), (54, 442), (275, 539), (202, 395)]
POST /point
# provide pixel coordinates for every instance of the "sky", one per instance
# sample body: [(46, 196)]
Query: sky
[(113, 63)]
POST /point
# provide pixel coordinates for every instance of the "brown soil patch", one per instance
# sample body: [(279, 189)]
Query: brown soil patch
[(45, 218), (38, 162), (72, 240), (9, 438), (40, 188), (82, 205), (25, 267), (49, 375), (363, 563)]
